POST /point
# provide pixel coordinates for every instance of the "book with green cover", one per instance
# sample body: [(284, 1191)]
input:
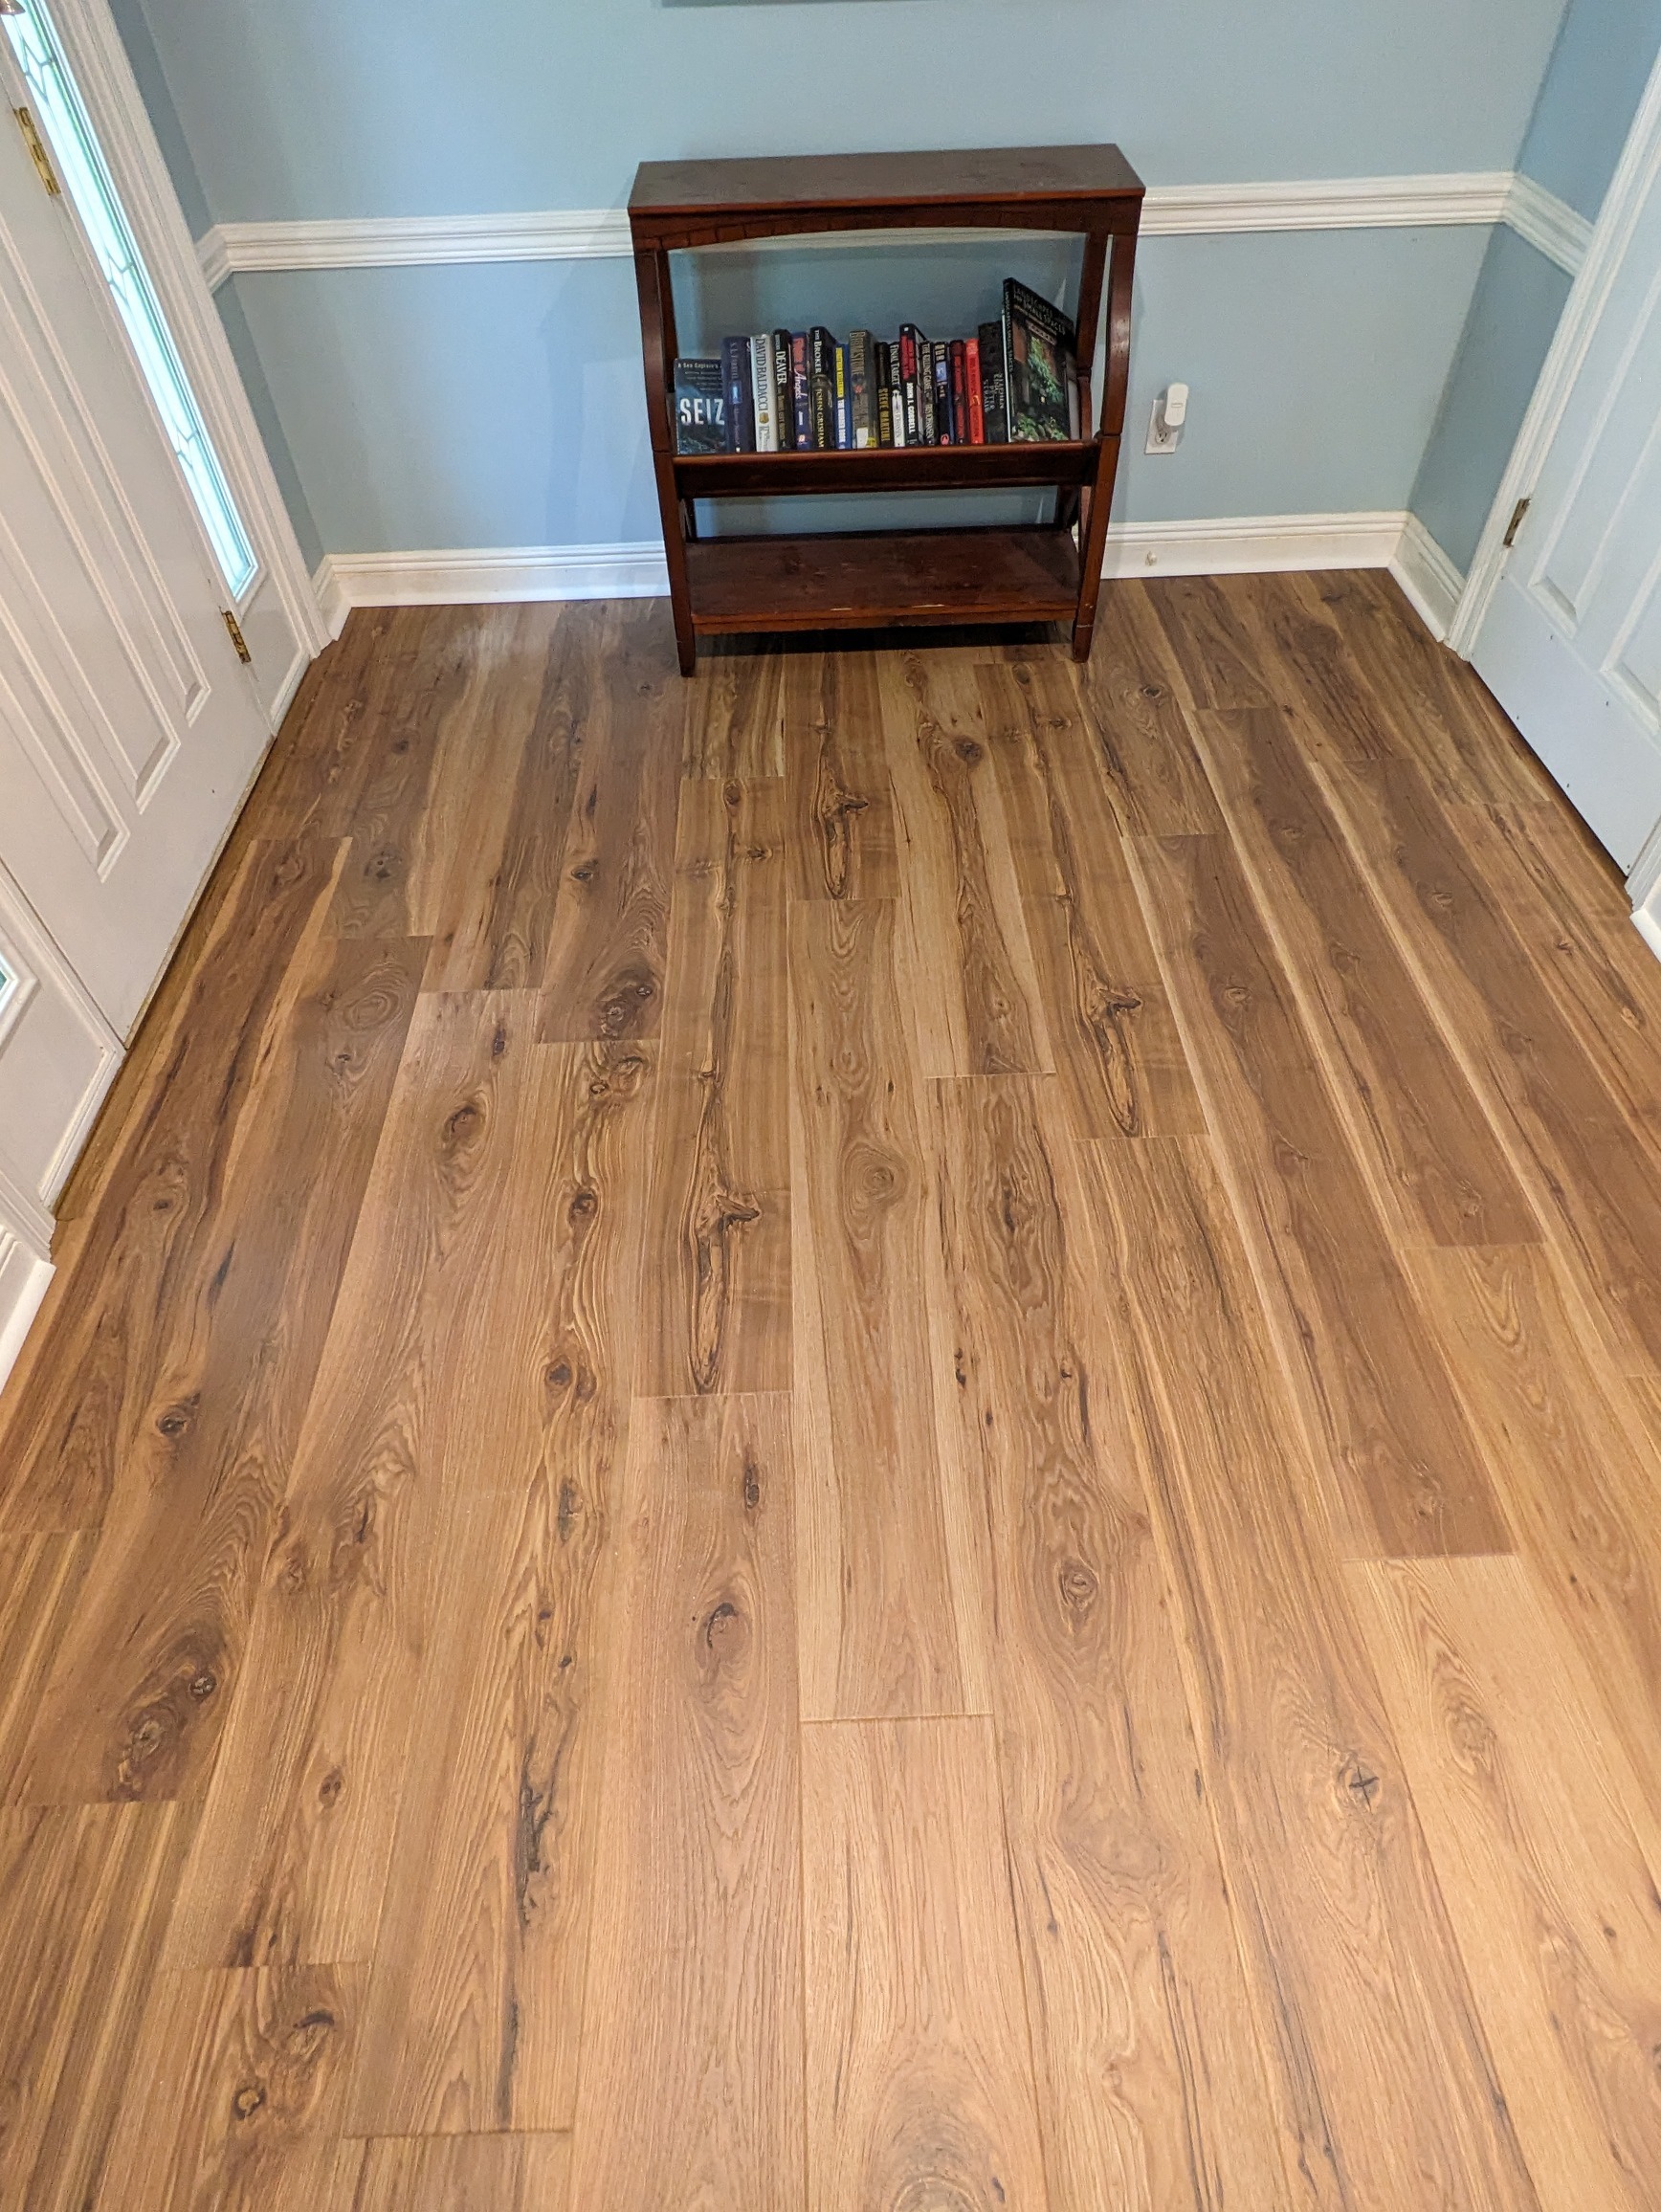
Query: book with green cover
[(1038, 347)]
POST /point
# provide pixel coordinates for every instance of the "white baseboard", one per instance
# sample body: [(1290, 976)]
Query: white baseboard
[(489, 576), (1428, 576), (1250, 544)]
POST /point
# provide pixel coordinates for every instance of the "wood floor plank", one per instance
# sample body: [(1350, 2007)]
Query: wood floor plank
[(335, 733), (976, 1001), (892, 1605), (717, 1281), (501, 2173), (84, 1897), (841, 809), (921, 2087), (1151, 2091), (1550, 1891), (735, 711), (147, 1668), (1365, 2010), (481, 1336), (698, 1889), (40, 1579), (492, 855), (1579, 1489), (92, 1375), (249, 2068), (605, 968), (1431, 1152), (1131, 688), (1405, 1474), (1592, 1177), (1116, 1048), (1211, 636)]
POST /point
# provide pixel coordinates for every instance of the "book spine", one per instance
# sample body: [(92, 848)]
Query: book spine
[(741, 402), (896, 395), (822, 386), (844, 402), (942, 392), (917, 383), (994, 403), (762, 391), (800, 391), (784, 406), (881, 411), (861, 398), (959, 392), (972, 391)]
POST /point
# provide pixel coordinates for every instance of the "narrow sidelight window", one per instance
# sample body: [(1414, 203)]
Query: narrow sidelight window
[(61, 114)]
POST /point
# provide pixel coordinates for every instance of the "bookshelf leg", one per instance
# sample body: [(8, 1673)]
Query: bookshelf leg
[(685, 642)]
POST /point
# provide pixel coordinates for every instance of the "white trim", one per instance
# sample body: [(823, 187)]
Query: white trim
[(602, 233), (94, 49), (1428, 576), (493, 575), (25, 1275), (1550, 225), (1611, 234), (1644, 890), (332, 597), (1247, 545)]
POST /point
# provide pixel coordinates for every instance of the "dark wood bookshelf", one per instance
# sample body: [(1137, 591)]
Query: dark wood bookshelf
[(1044, 572)]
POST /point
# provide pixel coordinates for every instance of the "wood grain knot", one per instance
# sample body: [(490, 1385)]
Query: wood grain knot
[(248, 2100)]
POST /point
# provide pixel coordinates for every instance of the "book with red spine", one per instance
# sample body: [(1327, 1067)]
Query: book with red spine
[(972, 378), (959, 393)]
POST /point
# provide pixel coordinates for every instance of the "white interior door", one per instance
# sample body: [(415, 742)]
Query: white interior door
[(1571, 642), (129, 731)]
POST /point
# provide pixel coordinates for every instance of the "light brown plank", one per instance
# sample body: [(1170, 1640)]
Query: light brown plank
[(1590, 1174), (1365, 2010), (1132, 691), (235, 2091), (604, 967), (1580, 1487), (147, 1666), (892, 1603), (691, 2072), (1431, 1153), (841, 812), (40, 1579), (84, 1895), (716, 1282), (452, 2174), (735, 711), (1150, 2085), (1551, 1892), (1116, 1048), (919, 2085), (968, 964), (1404, 1473)]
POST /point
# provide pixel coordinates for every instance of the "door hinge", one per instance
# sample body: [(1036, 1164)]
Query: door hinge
[(1515, 524), (237, 637), (38, 152)]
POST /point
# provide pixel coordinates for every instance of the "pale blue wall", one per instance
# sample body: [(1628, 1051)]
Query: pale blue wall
[(501, 405), (1591, 94)]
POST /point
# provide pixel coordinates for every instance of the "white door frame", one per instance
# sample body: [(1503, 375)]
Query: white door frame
[(99, 61), (1611, 234)]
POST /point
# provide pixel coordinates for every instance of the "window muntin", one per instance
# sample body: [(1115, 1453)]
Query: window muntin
[(61, 114)]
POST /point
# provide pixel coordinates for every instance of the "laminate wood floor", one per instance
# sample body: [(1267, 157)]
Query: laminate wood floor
[(876, 1436)]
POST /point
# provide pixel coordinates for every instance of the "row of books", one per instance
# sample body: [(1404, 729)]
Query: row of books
[(809, 392)]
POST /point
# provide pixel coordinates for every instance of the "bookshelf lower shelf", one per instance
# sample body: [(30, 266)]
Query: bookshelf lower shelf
[(862, 580)]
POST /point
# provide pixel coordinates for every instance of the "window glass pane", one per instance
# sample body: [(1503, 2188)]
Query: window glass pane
[(63, 119), (7, 984)]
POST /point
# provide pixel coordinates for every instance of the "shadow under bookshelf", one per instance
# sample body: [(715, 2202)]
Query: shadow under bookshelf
[(1033, 572)]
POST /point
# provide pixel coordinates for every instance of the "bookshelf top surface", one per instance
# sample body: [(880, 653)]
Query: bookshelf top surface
[(997, 175)]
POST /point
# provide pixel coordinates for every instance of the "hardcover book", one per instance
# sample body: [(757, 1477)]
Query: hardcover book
[(700, 423), (972, 385), (994, 408), (783, 405), (916, 382), (741, 399), (822, 386), (895, 396), (843, 401), (882, 381), (1038, 342), (762, 391), (800, 391), (959, 392), (861, 406), (941, 353)]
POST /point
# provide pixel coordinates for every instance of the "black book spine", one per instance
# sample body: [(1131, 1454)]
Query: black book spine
[(959, 392), (994, 401), (741, 395), (784, 406), (942, 392), (897, 396), (882, 379), (916, 364)]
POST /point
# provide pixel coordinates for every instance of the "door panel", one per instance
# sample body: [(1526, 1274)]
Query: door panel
[(57, 1055), (1571, 642), (128, 729)]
